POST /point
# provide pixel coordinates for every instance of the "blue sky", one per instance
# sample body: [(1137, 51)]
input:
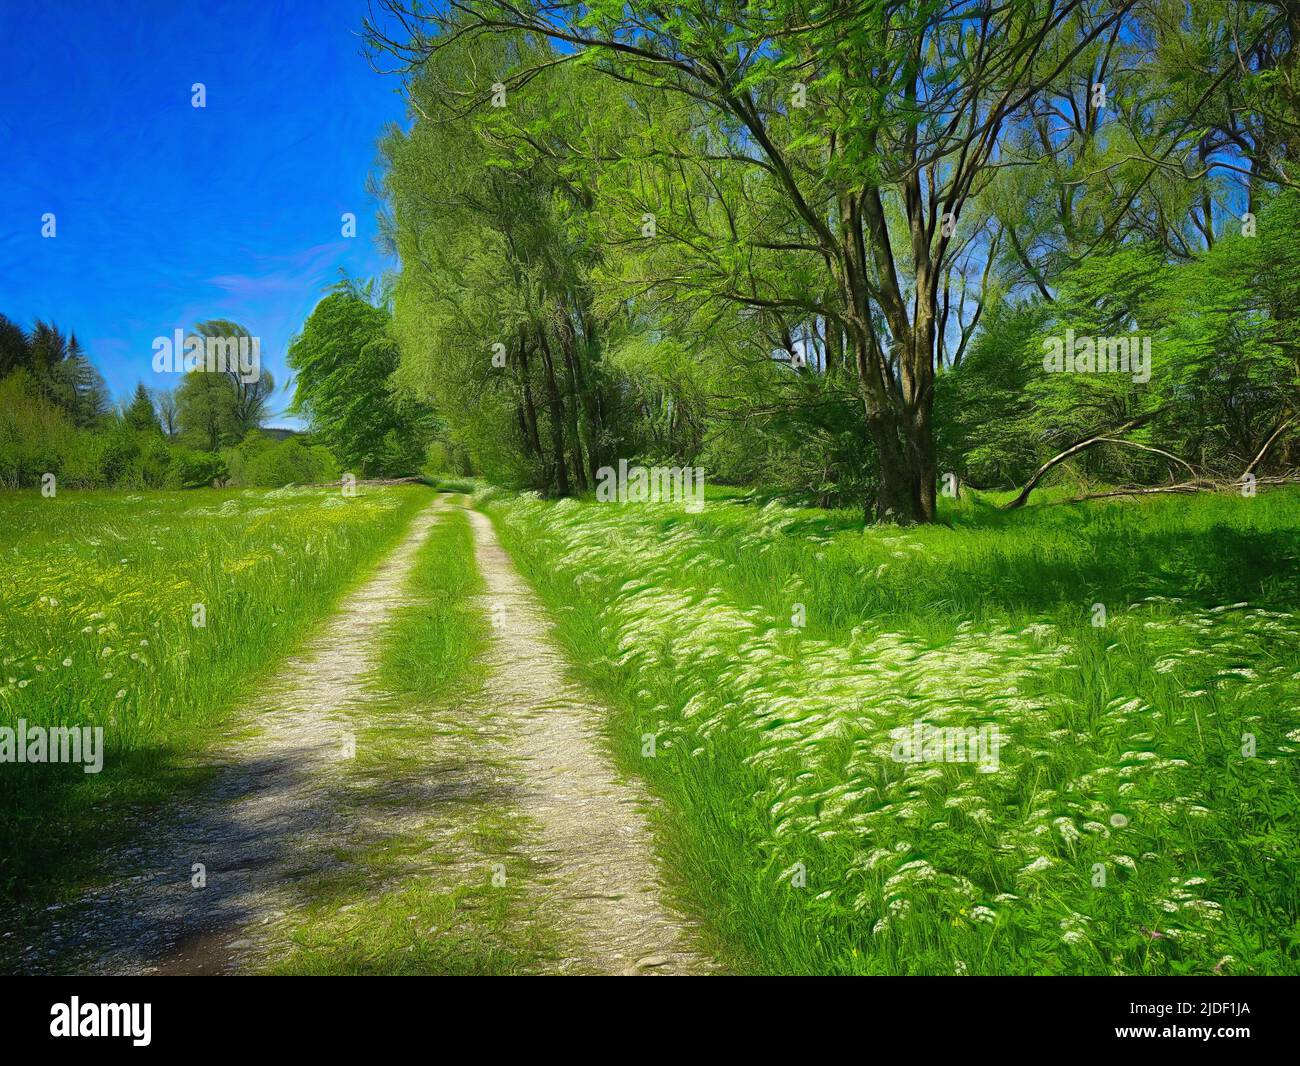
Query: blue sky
[(166, 213)]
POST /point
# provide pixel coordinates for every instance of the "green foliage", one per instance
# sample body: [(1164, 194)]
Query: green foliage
[(140, 414), (35, 436), (1122, 745), (38, 438), (58, 369), (344, 360), (1224, 373), (1228, 340), (911, 206), (15, 348), (196, 470), (496, 312), (205, 411), (982, 405), (263, 461), (291, 462), (247, 407)]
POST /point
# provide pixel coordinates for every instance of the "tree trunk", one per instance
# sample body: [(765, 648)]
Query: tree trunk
[(898, 408), (578, 401), (834, 348), (591, 407), (895, 498), (918, 396), (530, 414), (556, 406), (906, 459)]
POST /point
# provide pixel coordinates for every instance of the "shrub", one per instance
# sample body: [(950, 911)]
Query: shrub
[(194, 469)]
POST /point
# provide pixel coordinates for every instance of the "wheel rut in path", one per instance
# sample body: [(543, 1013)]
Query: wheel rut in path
[(599, 875)]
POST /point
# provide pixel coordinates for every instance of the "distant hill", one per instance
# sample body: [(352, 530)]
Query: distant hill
[(279, 433)]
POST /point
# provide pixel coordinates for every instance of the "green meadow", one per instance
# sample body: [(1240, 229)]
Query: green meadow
[(1139, 662), (148, 615)]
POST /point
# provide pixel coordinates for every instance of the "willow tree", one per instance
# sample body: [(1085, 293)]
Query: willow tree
[(865, 127), (489, 195)]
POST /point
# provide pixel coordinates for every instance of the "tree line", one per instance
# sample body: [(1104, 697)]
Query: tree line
[(829, 246), (57, 416)]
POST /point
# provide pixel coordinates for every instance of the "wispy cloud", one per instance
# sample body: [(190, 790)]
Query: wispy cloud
[(302, 271)]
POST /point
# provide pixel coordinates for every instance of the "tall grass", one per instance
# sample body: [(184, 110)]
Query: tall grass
[(434, 648), (98, 606), (1144, 816)]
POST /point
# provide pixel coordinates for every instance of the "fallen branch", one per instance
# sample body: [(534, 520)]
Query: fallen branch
[(1147, 490), (1073, 450), (1187, 487), (1149, 448), (1267, 445)]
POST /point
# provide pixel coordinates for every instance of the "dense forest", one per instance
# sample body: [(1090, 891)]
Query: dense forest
[(839, 249)]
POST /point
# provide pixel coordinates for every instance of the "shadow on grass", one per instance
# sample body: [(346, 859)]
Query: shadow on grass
[(1028, 563)]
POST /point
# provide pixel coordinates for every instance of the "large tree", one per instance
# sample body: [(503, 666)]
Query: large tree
[(493, 213), (850, 136), (139, 414), (344, 360), (205, 411), (252, 392), (15, 347), (60, 368)]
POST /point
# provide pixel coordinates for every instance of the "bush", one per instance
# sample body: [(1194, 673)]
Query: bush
[(34, 435), (192, 469), (290, 463)]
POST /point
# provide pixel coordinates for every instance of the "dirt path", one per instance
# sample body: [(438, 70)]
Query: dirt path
[(272, 821), (292, 812), (592, 844)]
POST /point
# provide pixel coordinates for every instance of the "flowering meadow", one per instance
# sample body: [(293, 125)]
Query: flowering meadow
[(1139, 663)]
